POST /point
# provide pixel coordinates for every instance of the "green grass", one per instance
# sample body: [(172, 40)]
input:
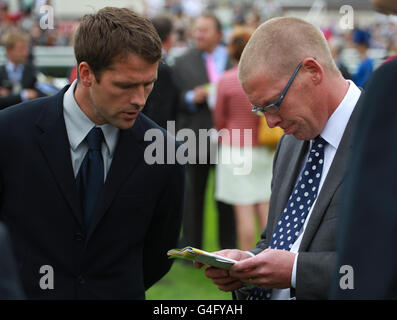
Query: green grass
[(184, 282)]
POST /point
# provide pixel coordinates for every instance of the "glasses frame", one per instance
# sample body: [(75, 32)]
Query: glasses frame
[(273, 108)]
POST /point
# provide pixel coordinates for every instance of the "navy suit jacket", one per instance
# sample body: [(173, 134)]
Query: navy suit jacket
[(366, 238), (138, 216)]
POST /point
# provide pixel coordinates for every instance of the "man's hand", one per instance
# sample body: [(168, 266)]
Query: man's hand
[(220, 277), (4, 92), (269, 269), (200, 95), (31, 94)]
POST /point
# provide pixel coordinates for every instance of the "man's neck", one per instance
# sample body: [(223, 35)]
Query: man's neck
[(81, 97), (212, 49), (340, 88)]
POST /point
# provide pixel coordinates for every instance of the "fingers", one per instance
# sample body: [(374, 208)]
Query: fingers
[(234, 254), (222, 279), (243, 265), (200, 94), (197, 265), (215, 273)]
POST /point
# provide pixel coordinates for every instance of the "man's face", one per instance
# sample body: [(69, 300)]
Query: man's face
[(206, 34), (299, 113), (121, 92), (386, 6), (19, 53)]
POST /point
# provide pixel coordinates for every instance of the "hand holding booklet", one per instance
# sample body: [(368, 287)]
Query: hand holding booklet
[(204, 257)]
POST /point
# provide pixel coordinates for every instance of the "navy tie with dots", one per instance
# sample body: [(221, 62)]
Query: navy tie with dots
[(297, 208), (90, 178)]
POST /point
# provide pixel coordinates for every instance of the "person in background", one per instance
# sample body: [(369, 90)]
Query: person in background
[(336, 46), (361, 39), (197, 71), (162, 103), (366, 241), (17, 77), (249, 193)]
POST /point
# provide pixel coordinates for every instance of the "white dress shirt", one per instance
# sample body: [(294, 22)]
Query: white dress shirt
[(78, 125), (332, 133)]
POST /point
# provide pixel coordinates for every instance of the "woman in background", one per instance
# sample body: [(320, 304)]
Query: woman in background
[(249, 193)]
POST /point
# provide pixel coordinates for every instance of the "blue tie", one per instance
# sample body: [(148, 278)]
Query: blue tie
[(297, 208), (90, 178)]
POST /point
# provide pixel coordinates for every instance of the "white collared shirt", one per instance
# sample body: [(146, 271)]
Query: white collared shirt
[(78, 125), (332, 133)]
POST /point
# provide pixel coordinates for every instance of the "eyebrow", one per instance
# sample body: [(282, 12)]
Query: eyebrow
[(266, 103), (131, 84)]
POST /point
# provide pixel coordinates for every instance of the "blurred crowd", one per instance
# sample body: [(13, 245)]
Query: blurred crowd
[(26, 17), (379, 35)]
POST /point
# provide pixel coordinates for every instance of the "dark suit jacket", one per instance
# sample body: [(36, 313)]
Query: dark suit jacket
[(10, 286), (317, 251), (28, 82), (163, 102), (190, 72), (368, 226), (138, 217)]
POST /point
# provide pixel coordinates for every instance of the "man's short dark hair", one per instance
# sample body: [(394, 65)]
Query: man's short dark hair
[(115, 33), (209, 15), (163, 26)]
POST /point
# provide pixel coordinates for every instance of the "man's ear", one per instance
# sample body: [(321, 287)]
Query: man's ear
[(314, 68), (86, 74)]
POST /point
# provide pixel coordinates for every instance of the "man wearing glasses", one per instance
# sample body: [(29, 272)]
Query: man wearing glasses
[(295, 257)]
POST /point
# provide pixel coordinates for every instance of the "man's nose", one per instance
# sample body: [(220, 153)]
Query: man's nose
[(138, 96), (273, 120)]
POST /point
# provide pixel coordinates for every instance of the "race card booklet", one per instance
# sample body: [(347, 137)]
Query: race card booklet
[(211, 259)]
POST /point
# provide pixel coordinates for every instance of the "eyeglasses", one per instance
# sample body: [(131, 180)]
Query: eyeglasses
[(275, 107)]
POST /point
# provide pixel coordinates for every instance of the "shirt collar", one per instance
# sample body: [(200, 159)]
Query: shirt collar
[(78, 124), (336, 125), (12, 67), (219, 52)]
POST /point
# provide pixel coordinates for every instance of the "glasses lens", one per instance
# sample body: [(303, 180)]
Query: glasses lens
[(272, 109)]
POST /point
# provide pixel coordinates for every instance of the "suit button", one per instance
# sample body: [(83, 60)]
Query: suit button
[(81, 279), (78, 237)]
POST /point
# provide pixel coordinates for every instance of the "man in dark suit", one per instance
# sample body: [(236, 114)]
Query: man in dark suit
[(17, 77), (10, 285), (89, 216), (196, 71), (368, 226), (315, 105), (162, 104)]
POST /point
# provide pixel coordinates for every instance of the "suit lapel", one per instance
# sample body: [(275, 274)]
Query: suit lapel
[(54, 144), (333, 180), (292, 171), (129, 152), (201, 68)]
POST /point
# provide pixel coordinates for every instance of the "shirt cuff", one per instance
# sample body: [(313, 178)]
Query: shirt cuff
[(190, 105), (24, 95), (293, 276), (250, 253)]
